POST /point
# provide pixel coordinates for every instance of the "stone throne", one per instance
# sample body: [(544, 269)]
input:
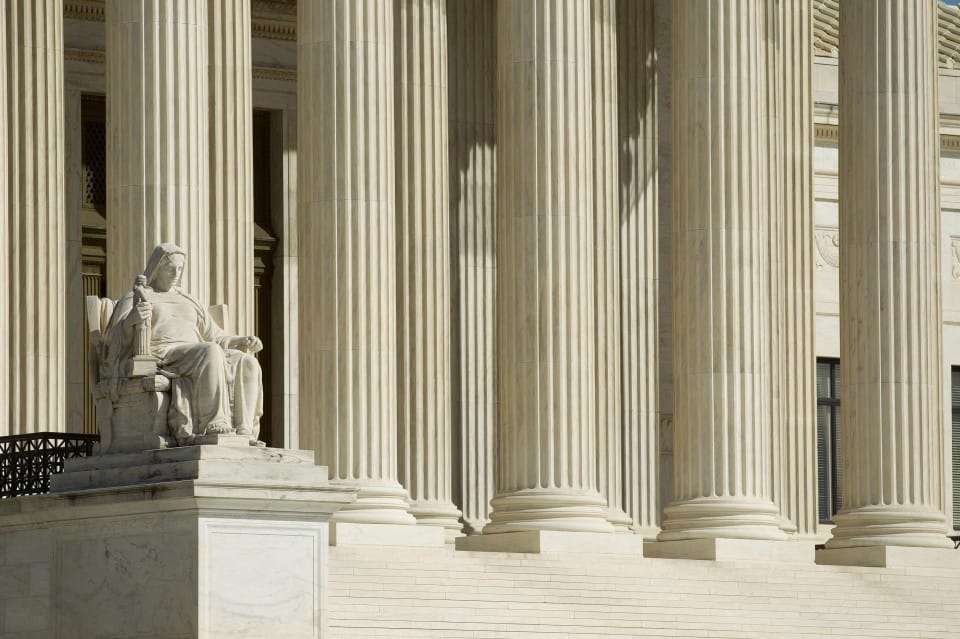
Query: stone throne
[(131, 411)]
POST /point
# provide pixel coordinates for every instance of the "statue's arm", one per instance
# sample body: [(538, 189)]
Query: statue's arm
[(211, 332), (208, 328)]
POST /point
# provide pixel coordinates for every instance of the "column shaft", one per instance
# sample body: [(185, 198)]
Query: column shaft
[(423, 172), (285, 342), (5, 345), (798, 494), (231, 160), (34, 203), (607, 247), (773, 11), (721, 291), (545, 271), (472, 53), (890, 321), (157, 138), (348, 251), (638, 222)]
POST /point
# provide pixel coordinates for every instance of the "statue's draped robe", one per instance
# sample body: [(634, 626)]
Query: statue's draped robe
[(213, 388)]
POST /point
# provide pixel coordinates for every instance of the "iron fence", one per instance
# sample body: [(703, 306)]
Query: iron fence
[(27, 461)]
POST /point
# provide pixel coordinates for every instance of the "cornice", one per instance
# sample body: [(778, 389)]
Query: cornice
[(271, 19), (825, 132), (281, 74), (98, 56)]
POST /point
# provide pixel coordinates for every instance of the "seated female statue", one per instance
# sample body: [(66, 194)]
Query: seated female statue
[(216, 383)]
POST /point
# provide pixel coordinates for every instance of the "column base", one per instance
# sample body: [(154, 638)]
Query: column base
[(443, 515), (719, 549), (378, 502), (621, 521), (890, 557), (548, 509), (648, 533), (354, 534), (552, 541), (889, 526), (722, 518)]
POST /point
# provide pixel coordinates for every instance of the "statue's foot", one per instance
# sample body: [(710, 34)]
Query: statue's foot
[(258, 443)]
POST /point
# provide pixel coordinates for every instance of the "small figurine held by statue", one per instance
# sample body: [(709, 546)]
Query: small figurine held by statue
[(161, 340)]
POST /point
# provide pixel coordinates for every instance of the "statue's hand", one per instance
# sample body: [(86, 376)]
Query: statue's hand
[(248, 344), (140, 313)]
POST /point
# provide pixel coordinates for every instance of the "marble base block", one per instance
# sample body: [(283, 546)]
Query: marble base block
[(732, 550), (204, 542), (355, 534), (552, 541), (890, 557)]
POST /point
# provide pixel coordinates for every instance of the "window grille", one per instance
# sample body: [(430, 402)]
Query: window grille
[(955, 442), (829, 469), (94, 162)]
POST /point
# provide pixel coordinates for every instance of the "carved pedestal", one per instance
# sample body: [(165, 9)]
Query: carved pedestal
[(194, 542)]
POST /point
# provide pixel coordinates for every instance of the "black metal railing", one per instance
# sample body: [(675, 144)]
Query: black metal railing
[(27, 461)]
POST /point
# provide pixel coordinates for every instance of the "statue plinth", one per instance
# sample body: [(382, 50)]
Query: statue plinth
[(193, 541)]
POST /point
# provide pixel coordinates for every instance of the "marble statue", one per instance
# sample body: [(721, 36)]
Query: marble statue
[(158, 329)]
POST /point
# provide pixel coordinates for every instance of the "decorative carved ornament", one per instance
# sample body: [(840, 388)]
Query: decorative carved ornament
[(826, 31), (93, 56), (275, 73), (89, 10), (827, 241)]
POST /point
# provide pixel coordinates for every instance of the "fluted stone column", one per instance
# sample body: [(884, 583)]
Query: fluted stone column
[(33, 237), (773, 10), (472, 30), (721, 295), (545, 271), (638, 221), (231, 160), (798, 440), (607, 248), (890, 321), (423, 229), (4, 230), (348, 251), (157, 138)]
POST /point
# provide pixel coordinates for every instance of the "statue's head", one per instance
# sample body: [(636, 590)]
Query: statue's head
[(165, 267)]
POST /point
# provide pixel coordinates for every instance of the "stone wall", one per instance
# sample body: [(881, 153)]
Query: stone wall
[(25, 585), (392, 593)]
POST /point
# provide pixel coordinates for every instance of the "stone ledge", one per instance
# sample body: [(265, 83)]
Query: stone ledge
[(231, 464), (413, 536), (732, 550), (553, 541), (890, 557)]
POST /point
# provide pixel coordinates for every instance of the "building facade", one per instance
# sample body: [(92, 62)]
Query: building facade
[(530, 265)]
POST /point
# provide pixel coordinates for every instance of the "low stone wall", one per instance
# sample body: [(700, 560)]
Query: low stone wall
[(406, 593)]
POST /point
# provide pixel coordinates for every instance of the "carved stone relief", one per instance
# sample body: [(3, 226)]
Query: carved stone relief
[(955, 256), (827, 241)]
